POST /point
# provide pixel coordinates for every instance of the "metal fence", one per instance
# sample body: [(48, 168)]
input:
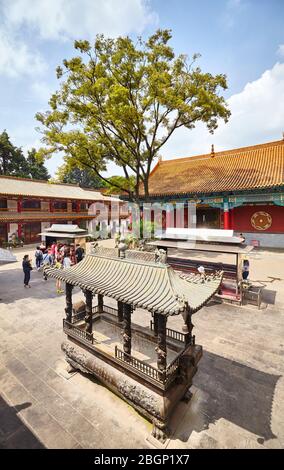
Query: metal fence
[(76, 332), (171, 333)]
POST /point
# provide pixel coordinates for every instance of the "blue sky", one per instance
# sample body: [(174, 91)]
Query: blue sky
[(242, 38)]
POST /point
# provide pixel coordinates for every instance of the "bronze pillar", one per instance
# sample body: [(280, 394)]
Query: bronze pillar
[(155, 321), (161, 349), (120, 311), (68, 296), (187, 329), (100, 303), (88, 317), (127, 310)]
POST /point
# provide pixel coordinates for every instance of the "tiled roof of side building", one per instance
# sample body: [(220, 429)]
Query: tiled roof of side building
[(14, 186), (248, 168)]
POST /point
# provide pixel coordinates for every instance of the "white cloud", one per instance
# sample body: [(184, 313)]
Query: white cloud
[(257, 117), (16, 59), (280, 50), (69, 19), (42, 91)]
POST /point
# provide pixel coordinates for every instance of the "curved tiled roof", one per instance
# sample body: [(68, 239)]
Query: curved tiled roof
[(151, 286), (248, 168), (41, 216), (14, 186)]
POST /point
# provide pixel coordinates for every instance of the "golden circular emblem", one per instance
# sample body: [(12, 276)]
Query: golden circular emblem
[(261, 220)]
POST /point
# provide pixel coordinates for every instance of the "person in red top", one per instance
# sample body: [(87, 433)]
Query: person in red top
[(73, 255), (52, 250)]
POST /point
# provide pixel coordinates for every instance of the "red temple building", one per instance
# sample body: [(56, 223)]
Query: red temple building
[(28, 207), (240, 189)]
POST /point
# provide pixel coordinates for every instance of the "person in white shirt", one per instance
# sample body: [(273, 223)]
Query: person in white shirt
[(66, 260)]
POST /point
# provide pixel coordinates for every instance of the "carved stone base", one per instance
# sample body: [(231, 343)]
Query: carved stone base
[(153, 402), (70, 369), (161, 434)]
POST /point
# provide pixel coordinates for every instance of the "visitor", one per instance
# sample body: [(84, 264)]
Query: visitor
[(79, 253), (242, 238), (66, 260), (42, 247), (201, 271), (27, 268), (52, 252), (38, 257), (63, 249), (245, 273), (58, 265), (57, 250), (72, 255), (47, 261)]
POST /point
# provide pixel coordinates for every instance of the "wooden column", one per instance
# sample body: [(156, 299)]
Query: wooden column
[(127, 310), (68, 295), (19, 204), (20, 231), (19, 209), (161, 349), (88, 317), (100, 303), (120, 311), (226, 216)]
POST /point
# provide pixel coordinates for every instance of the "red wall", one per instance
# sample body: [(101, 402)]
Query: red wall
[(242, 216)]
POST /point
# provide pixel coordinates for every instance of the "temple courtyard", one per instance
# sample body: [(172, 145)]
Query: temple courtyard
[(238, 391)]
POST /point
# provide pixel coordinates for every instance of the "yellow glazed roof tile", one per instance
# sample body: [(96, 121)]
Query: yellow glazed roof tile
[(256, 167)]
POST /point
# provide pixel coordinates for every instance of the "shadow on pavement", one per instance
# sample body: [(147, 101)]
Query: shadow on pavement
[(13, 432), (232, 391)]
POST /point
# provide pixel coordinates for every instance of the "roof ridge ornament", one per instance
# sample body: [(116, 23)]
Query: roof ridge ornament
[(122, 247), (212, 151), (182, 301), (160, 256)]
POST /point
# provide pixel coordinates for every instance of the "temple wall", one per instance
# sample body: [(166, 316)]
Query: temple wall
[(265, 240), (243, 215), (272, 236)]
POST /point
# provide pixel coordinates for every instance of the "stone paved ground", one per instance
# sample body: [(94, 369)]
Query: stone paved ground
[(238, 391)]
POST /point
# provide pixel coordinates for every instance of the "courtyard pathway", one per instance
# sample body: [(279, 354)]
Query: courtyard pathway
[(238, 391)]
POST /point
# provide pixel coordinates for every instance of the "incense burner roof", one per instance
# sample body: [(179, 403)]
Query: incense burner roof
[(155, 287)]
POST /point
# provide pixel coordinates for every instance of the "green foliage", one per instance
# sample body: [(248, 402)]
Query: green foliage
[(14, 163), (36, 168), (121, 101), (85, 178), (12, 160), (116, 182)]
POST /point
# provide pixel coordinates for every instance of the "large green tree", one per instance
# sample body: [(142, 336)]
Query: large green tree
[(121, 101), (14, 163), (84, 177), (36, 167), (12, 159)]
